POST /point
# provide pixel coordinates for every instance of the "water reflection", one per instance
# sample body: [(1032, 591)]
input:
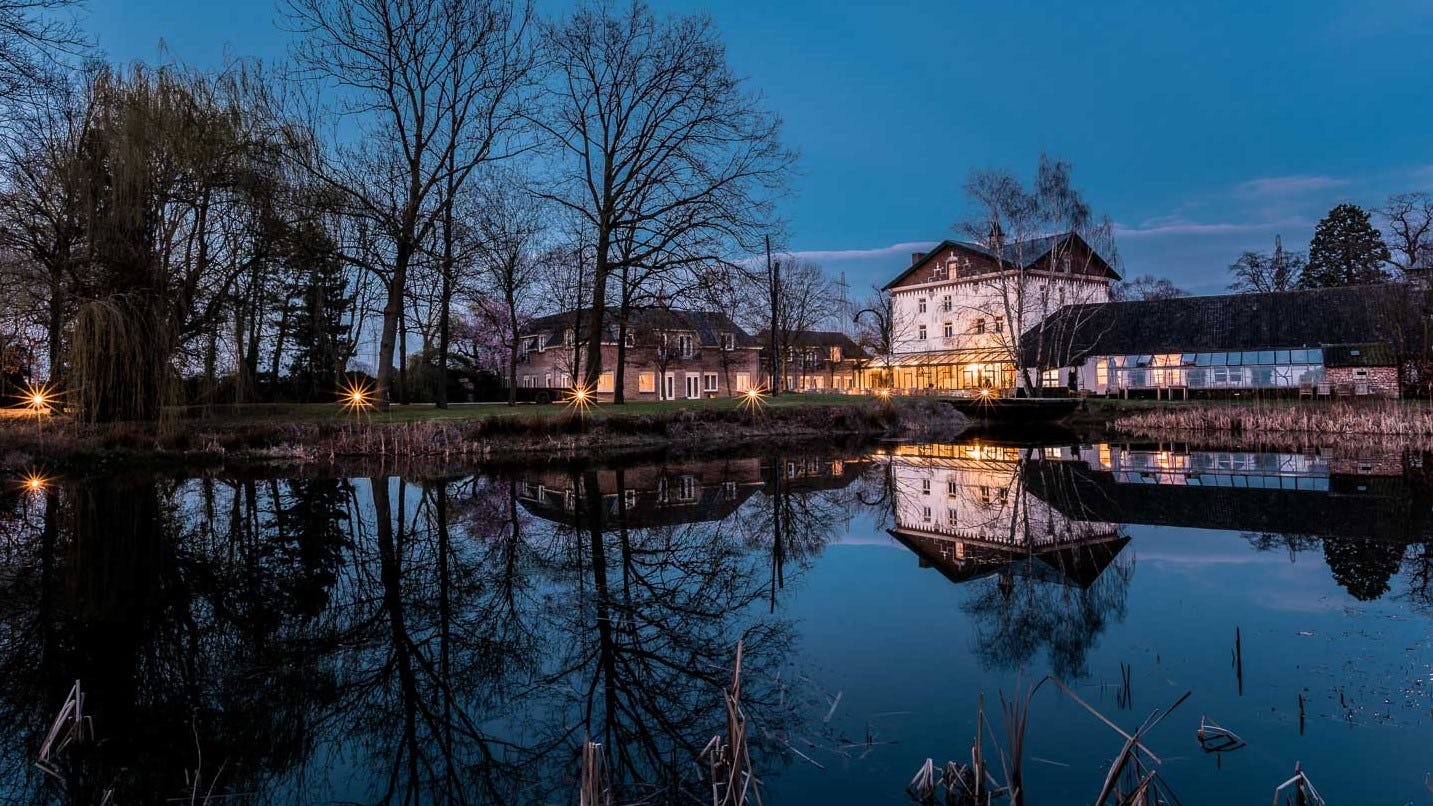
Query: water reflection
[(456, 638)]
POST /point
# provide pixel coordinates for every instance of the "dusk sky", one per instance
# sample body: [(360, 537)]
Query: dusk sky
[(1201, 129)]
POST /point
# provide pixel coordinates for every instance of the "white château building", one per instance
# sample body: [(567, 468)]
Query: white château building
[(961, 310)]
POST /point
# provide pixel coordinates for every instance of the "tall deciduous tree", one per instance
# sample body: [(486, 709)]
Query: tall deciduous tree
[(1346, 250), (507, 227), (435, 88), (1258, 272), (664, 146), (1408, 220)]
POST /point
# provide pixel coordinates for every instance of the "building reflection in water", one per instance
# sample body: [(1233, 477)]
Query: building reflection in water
[(1042, 578)]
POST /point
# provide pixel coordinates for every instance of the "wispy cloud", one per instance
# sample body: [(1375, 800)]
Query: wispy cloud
[(836, 255), (1163, 229), (1285, 186)]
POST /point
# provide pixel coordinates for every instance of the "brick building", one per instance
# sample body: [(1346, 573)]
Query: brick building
[(817, 360), (670, 354)]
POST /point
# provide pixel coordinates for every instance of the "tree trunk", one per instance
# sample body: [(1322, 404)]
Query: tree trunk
[(618, 387), (388, 333), (592, 373)]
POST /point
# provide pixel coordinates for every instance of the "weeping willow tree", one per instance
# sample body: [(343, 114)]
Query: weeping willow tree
[(173, 165)]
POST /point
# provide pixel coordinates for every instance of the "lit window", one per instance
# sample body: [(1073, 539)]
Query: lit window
[(647, 382), (604, 383), (743, 381)]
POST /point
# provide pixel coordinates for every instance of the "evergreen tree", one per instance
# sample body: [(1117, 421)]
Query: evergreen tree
[(1346, 250), (322, 305)]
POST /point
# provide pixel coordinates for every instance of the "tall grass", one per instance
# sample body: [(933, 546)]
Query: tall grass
[(1386, 419)]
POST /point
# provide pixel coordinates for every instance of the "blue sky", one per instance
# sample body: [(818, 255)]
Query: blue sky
[(1202, 129)]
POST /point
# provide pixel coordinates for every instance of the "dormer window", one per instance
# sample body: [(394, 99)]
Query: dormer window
[(568, 337), (836, 353), (685, 345), (937, 272), (728, 341), (631, 340)]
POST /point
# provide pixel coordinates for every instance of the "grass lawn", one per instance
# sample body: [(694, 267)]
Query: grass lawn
[(462, 412)]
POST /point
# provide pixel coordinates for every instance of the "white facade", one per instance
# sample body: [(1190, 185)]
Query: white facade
[(975, 319)]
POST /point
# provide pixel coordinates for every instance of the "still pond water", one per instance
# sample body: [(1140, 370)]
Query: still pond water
[(455, 638)]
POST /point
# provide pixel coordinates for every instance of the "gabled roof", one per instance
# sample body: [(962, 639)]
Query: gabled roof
[(1269, 321), (707, 325), (826, 339), (1019, 254)]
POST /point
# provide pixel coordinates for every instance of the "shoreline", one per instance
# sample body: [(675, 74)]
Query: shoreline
[(490, 438)]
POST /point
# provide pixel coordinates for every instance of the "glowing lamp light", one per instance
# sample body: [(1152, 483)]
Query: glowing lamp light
[(986, 392), (753, 399), (356, 397), (580, 398), (884, 392), (35, 483), (39, 399)]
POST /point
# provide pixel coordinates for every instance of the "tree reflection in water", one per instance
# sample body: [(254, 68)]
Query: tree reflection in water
[(391, 641)]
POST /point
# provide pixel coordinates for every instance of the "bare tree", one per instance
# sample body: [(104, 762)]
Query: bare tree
[(1257, 272), (435, 89), (880, 326), (34, 35), (1408, 222), (806, 300), (665, 146), (1049, 250), (1146, 287), (506, 228)]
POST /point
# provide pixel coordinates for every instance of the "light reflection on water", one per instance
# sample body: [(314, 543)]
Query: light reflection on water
[(454, 638)]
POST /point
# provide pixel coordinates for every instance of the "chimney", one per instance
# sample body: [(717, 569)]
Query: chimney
[(916, 257)]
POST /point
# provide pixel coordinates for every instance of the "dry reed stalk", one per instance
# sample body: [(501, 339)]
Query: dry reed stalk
[(71, 726), (595, 790), (729, 757), (1303, 793), (1391, 419)]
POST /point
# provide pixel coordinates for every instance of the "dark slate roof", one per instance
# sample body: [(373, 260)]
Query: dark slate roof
[(1031, 250), (828, 338), (1364, 354), (705, 324), (1277, 320)]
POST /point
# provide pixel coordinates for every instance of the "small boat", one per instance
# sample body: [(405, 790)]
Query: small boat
[(1014, 410)]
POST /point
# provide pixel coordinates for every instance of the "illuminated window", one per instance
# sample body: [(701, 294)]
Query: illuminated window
[(604, 383), (743, 381), (647, 382)]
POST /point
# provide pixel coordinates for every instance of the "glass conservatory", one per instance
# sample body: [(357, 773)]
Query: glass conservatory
[(1249, 369)]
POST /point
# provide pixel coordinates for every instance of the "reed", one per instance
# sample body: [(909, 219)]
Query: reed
[(1389, 418), (728, 757)]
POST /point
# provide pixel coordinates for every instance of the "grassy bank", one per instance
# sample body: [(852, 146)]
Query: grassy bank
[(320, 433)]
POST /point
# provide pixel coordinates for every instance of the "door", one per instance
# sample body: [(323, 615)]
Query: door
[(694, 385), (669, 386)]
